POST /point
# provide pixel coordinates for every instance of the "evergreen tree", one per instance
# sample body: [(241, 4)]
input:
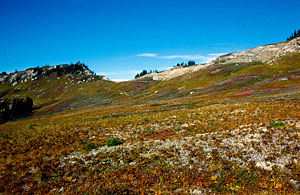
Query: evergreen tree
[(18, 107), (191, 63), (144, 72), (294, 35)]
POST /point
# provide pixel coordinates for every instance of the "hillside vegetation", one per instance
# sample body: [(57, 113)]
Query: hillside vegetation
[(227, 128)]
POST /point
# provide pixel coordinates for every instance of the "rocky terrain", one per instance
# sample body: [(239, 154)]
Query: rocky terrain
[(231, 126), (266, 54), (32, 74)]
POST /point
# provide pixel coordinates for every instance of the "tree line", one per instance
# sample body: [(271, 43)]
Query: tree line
[(144, 72), (294, 35), (190, 63), (13, 109)]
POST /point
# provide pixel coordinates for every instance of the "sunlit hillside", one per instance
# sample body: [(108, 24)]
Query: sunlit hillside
[(228, 128)]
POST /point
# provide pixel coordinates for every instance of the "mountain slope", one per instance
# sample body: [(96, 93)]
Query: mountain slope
[(246, 73), (265, 54), (228, 128)]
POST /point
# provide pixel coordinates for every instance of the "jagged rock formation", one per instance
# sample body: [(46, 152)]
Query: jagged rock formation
[(47, 71)]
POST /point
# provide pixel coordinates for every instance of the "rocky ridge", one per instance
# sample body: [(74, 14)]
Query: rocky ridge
[(46, 71)]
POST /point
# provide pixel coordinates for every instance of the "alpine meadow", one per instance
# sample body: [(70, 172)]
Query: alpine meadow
[(229, 126), (149, 97)]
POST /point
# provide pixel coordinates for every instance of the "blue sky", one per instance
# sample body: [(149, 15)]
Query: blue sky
[(119, 38)]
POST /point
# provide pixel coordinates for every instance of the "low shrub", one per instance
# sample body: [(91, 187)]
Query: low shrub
[(113, 142), (275, 124)]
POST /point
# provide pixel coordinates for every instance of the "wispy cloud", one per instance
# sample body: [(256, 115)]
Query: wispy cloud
[(119, 73), (147, 55), (217, 54), (186, 57), (154, 55), (201, 58), (120, 80)]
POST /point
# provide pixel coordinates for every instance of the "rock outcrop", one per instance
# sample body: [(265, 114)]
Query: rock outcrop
[(47, 71)]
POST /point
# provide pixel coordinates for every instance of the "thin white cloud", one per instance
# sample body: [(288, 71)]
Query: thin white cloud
[(217, 54), (200, 58), (117, 73), (120, 80), (186, 57), (147, 55)]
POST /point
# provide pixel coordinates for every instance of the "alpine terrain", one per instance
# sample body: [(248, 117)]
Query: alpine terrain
[(231, 126)]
